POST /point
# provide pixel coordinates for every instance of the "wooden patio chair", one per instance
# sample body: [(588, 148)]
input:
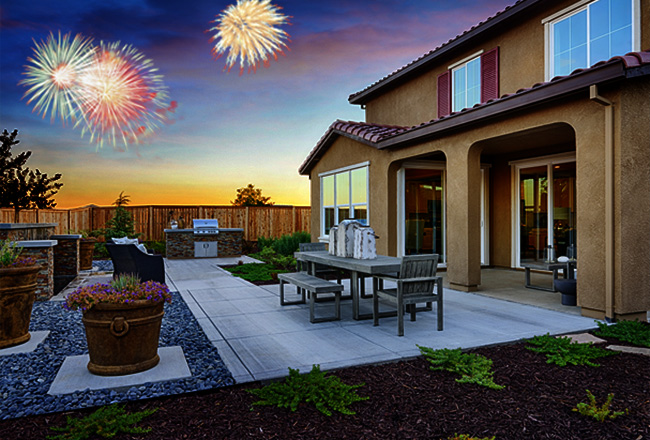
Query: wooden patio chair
[(417, 283)]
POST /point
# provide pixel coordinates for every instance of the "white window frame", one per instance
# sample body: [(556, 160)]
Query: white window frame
[(334, 173), (401, 207), (459, 65), (516, 166), (577, 7)]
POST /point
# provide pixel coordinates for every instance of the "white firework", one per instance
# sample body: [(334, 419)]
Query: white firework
[(249, 31)]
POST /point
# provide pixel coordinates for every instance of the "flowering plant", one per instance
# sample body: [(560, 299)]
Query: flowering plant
[(124, 289), (10, 256)]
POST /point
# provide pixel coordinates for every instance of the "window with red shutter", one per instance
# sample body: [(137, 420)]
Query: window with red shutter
[(490, 75), (444, 94)]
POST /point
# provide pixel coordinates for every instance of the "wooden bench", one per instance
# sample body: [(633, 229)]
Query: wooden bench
[(314, 286)]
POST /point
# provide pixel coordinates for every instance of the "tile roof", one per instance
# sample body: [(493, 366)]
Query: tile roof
[(385, 136)]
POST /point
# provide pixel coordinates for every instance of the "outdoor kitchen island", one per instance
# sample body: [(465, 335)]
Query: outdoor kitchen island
[(204, 242)]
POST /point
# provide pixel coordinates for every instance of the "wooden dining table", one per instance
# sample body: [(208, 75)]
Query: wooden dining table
[(380, 265)]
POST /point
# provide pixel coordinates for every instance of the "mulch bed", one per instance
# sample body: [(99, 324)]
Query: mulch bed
[(407, 400)]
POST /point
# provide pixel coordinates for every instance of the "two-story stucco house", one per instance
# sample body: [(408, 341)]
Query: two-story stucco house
[(531, 129)]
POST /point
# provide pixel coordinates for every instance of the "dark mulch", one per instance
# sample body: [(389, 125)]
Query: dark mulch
[(408, 401)]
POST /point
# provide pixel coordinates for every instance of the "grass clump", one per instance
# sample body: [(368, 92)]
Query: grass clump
[(472, 367), (634, 332), (327, 393), (562, 351), (107, 422), (601, 413), (256, 271)]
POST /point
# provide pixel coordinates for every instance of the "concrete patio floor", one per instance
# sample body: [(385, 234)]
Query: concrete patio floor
[(258, 339)]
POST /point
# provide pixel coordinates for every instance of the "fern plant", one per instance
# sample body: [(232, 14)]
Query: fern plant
[(472, 367), (107, 421), (634, 332), (601, 413), (562, 351), (327, 393)]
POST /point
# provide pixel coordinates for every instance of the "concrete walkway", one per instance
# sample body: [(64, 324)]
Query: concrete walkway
[(259, 339)]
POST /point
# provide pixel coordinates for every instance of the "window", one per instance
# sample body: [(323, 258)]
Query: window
[(466, 84), (344, 195), (593, 32), (469, 82)]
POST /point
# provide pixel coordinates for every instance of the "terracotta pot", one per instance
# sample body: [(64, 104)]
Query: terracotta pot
[(17, 287), (86, 251), (123, 338)]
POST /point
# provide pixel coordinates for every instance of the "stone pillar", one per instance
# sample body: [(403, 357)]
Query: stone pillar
[(66, 260), (464, 218), (42, 251)]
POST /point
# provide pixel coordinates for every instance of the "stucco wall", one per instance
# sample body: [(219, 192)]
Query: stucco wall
[(463, 151), (415, 102)]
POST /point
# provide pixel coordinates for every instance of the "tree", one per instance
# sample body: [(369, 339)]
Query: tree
[(122, 224), (251, 196), (20, 187)]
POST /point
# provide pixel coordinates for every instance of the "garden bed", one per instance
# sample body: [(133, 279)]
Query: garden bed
[(408, 400)]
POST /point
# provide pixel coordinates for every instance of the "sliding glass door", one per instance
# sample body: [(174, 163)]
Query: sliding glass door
[(546, 209), (423, 211)]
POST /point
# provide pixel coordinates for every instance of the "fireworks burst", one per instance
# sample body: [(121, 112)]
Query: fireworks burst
[(113, 92), (120, 95), (249, 31), (53, 76)]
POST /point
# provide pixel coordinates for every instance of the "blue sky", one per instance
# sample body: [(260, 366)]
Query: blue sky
[(228, 130)]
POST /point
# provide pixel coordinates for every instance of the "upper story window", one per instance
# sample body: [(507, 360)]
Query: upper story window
[(344, 195), (468, 82), (590, 32)]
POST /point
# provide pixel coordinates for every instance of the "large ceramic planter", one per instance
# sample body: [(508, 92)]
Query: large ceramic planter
[(86, 251), (17, 287), (123, 338)]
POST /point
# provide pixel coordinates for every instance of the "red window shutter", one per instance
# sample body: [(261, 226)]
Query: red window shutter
[(444, 94), (490, 75)]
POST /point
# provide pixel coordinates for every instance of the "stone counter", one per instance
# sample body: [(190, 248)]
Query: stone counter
[(180, 242), (26, 231)]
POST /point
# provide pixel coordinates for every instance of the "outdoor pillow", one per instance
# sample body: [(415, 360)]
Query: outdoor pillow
[(142, 248), (125, 240)]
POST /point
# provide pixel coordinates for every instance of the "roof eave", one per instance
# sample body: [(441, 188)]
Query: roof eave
[(526, 99), (414, 69)]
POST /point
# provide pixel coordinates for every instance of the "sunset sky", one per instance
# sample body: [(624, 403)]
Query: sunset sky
[(228, 130)]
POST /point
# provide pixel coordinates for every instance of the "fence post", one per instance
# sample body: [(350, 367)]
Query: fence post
[(246, 227), (150, 233)]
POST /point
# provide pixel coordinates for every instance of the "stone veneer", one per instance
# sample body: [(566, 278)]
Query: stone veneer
[(180, 242), (26, 231), (43, 252), (66, 260)]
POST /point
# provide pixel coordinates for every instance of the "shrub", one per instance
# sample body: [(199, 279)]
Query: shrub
[(157, 247), (472, 367), (281, 262), (591, 409), (265, 242), (562, 351), (634, 332), (288, 244), (325, 392), (106, 421)]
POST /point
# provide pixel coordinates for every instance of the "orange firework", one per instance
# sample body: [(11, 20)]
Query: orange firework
[(249, 31)]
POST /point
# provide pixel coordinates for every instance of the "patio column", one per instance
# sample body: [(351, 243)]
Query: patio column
[(464, 218)]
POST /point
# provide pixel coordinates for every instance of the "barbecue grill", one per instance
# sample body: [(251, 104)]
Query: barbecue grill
[(205, 240)]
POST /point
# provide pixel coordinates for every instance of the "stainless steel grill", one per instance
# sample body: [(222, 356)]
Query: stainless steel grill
[(205, 226)]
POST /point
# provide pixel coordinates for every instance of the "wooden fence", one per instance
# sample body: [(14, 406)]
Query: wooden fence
[(152, 220)]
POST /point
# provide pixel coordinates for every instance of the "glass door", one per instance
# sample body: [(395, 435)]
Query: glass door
[(423, 212), (547, 210), (533, 214)]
